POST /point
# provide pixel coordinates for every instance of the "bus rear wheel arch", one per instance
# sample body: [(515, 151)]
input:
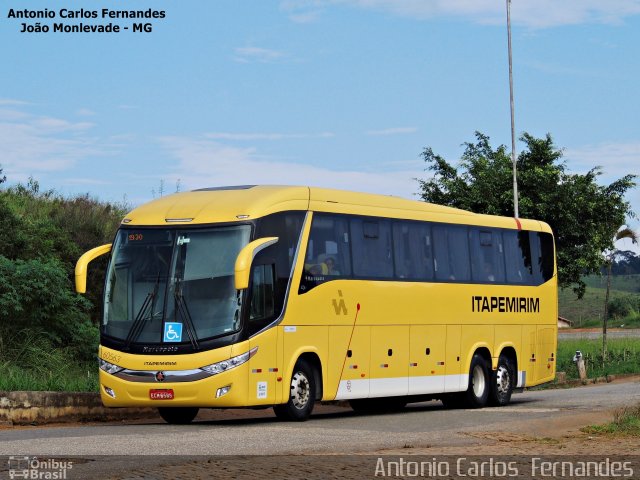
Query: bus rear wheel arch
[(303, 388)]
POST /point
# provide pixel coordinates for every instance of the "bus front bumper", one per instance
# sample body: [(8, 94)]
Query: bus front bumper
[(226, 389)]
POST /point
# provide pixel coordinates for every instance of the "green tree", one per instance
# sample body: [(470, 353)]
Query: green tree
[(583, 214), (622, 233), (3, 178)]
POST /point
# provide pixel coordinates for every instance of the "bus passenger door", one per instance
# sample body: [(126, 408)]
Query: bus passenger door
[(349, 361), (427, 359), (389, 361)]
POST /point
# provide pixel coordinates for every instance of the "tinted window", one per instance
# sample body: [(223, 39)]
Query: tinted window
[(518, 257), (412, 246), (328, 253), (372, 248), (541, 256), (548, 254), (451, 253), (487, 255), (286, 226)]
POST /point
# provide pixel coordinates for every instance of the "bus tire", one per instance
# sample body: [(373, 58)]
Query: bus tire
[(302, 394), (502, 383), (178, 415), (477, 395)]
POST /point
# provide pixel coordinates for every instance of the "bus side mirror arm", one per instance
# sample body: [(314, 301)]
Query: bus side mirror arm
[(83, 261), (245, 258)]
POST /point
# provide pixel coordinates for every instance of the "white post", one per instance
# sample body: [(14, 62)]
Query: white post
[(513, 122)]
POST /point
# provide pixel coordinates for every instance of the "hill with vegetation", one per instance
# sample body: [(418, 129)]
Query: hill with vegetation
[(48, 333), (624, 303)]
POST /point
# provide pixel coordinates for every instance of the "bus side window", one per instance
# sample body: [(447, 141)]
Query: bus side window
[(487, 255), (372, 248), (548, 254), (262, 307), (518, 257), (412, 250), (328, 254), (451, 253)]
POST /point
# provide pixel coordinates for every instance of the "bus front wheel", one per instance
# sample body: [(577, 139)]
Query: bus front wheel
[(302, 394), (178, 415)]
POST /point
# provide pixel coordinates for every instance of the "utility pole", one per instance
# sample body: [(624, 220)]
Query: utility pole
[(513, 121)]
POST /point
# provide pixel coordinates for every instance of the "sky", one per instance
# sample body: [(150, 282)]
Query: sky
[(333, 93)]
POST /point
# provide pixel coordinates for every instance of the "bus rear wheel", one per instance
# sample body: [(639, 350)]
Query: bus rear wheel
[(502, 383), (477, 394), (302, 395), (178, 415)]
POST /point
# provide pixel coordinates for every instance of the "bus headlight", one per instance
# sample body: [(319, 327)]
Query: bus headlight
[(109, 367), (225, 365)]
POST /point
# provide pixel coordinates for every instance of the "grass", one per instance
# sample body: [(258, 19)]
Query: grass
[(29, 362), (588, 311), (623, 356), (626, 421)]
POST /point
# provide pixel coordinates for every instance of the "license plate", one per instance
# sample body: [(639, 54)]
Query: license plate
[(166, 394)]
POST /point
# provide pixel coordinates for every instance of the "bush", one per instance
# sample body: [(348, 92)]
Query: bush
[(622, 307), (37, 295)]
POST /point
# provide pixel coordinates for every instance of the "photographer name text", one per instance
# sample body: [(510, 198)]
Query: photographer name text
[(103, 20)]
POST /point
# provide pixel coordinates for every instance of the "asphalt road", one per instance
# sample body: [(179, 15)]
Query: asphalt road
[(330, 430), (153, 449)]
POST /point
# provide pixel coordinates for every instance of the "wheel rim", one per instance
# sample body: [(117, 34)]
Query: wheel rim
[(478, 381), (300, 390), (503, 380)]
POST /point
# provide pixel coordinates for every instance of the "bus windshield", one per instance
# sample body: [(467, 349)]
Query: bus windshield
[(173, 286)]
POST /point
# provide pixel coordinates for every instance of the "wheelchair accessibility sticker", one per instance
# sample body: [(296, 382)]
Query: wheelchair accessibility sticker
[(172, 332)]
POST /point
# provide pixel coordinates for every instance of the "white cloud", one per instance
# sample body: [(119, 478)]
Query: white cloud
[(85, 112), (265, 136), (36, 143), (204, 162), (392, 131), (12, 102), (255, 54), (530, 13), (616, 159)]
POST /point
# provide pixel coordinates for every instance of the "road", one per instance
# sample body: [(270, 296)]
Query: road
[(594, 333), (331, 429)]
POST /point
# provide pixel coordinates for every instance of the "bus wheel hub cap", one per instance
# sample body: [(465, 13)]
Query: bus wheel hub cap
[(299, 390)]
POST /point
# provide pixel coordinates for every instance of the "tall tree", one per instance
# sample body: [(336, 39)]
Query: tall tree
[(3, 178), (583, 214), (624, 232)]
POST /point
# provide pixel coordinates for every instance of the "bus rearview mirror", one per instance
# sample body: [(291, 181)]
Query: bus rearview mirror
[(245, 258), (83, 261)]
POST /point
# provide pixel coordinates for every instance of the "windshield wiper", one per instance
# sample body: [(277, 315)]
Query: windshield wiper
[(141, 316), (184, 312)]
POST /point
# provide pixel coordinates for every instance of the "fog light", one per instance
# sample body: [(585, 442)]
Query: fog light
[(109, 392), (223, 391)]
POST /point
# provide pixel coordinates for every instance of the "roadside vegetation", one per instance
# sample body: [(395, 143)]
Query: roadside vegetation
[(623, 356), (587, 312), (48, 333), (626, 421)]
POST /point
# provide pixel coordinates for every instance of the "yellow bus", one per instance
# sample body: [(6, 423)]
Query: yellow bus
[(259, 296)]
